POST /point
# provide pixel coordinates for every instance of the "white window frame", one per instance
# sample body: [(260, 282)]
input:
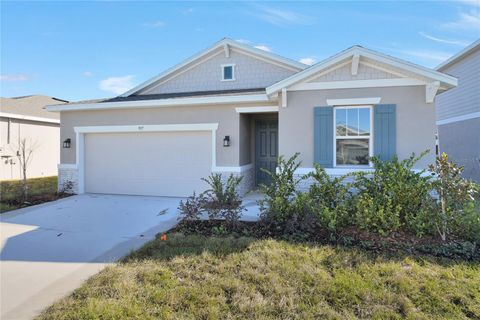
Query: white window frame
[(223, 73), (370, 136)]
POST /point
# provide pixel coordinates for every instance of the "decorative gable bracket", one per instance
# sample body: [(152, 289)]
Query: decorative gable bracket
[(431, 91)]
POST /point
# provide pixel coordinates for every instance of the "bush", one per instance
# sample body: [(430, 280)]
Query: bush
[(329, 200), (279, 205), (393, 197), (454, 194), (221, 201)]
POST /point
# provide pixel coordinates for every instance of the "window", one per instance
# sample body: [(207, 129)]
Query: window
[(228, 72), (353, 139)]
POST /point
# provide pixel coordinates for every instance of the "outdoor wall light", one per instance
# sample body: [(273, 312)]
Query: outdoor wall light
[(226, 141), (66, 143)]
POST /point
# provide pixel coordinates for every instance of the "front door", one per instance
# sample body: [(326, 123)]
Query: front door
[(266, 149)]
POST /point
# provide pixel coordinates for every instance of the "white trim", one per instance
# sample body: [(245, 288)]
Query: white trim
[(447, 81), (257, 109), (270, 57), (222, 66), (149, 128), (459, 118), (29, 118), (354, 101), (355, 62), (370, 136), (81, 131), (349, 84), (334, 171), (247, 98), (459, 55), (284, 98), (233, 169), (67, 166)]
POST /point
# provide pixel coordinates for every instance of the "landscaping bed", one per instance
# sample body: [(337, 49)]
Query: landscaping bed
[(40, 190), (239, 277)]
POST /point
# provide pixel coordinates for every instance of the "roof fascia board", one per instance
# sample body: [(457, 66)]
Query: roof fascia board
[(376, 56), (466, 51), (29, 118), (233, 44), (252, 98)]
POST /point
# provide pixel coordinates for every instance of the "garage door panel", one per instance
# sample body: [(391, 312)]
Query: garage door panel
[(160, 163)]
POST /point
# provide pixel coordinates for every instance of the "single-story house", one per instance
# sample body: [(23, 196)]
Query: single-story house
[(458, 111), (25, 118), (234, 109)]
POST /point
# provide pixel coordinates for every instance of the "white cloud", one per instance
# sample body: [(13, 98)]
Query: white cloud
[(88, 74), (13, 77), (188, 10), (308, 60), (432, 55), (243, 41), (280, 17), (466, 21), (155, 24), (455, 42), (117, 85), (263, 47)]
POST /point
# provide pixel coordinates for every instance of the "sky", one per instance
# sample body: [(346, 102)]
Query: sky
[(86, 50)]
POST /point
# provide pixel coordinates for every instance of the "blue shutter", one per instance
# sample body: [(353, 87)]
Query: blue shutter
[(323, 136), (384, 131)]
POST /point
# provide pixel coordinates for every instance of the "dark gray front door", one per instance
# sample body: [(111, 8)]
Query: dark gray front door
[(266, 149)]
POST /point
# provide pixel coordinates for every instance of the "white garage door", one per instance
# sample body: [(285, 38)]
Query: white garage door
[(147, 163)]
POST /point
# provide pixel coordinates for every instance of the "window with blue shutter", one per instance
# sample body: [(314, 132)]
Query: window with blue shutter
[(323, 136), (384, 131)]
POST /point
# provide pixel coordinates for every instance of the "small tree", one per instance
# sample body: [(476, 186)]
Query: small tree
[(453, 191), (25, 150)]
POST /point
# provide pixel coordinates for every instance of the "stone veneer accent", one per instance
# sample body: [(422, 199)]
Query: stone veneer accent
[(68, 173), (65, 174), (248, 182)]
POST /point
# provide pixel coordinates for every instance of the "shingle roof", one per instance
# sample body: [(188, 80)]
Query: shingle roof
[(32, 105), (186, 94)]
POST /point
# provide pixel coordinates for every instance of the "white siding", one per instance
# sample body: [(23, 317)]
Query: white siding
[(465, 98), (250, 72)]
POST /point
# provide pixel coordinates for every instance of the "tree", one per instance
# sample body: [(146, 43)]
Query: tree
[(25, 150)]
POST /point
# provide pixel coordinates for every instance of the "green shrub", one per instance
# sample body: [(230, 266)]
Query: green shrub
[(393, 197), (329, 199), (278, 205), (221, 201), (454, 193), (468, 222)]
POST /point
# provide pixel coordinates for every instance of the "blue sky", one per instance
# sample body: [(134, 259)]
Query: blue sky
[(85, 50)]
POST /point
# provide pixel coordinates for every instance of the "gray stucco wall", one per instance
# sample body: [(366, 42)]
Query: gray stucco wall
[(415, 120), (465, 98), (225, 115), (461, 141), (249, 73)]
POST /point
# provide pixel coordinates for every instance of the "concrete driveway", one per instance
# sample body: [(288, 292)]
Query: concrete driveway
[(49, 250)]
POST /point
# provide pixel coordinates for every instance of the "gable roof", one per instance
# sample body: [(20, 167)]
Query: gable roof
[(469, 49), (446, 81), (224, 43)]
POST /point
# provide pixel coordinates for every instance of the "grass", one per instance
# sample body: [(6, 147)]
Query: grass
[(39, 190), (198, 277)]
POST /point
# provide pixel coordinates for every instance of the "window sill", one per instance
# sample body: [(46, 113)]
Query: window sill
[(228, 80)]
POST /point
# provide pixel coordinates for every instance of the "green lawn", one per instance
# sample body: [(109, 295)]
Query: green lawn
[(197, 277), (38, 189)]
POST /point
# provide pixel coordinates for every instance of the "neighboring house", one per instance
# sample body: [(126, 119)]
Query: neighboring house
[(458, 111), (25, 118), (234, 109)]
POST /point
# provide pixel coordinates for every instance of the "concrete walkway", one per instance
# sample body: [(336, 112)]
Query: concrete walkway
[(48, 250)]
